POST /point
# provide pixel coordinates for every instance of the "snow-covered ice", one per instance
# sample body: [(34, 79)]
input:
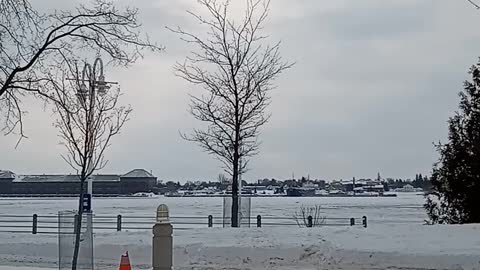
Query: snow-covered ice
[(395, 238)]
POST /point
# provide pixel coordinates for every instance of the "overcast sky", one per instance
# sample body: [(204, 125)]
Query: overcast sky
[(373, 87)]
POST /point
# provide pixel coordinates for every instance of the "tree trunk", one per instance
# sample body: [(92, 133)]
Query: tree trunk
[(235, 203), (78, 228)]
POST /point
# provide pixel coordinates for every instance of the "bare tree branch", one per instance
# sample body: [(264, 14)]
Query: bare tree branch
[(34, 45), (474, 4)]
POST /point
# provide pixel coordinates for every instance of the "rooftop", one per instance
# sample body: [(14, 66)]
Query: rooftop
[(64, 178), (6, 175), (138, 173)]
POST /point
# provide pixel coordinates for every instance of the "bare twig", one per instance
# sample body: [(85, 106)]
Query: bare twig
[(474, 4)]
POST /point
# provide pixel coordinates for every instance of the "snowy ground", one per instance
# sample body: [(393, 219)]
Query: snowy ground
[(394, 239)]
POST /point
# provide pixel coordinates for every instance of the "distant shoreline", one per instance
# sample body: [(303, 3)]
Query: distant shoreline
[(186, 196), (277, 196)]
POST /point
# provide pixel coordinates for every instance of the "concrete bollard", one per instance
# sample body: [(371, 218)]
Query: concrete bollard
[(162, 256)]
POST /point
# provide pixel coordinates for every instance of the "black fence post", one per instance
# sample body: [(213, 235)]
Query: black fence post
[(259, 221), (352, 221), (210, 221), (75, 222), (310, 221), (119, 223), (364, 221), (35, 224)]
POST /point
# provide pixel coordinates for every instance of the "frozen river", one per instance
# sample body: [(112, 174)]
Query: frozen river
[(406, 208)]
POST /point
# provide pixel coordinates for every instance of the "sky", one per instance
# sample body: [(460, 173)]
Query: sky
[(372, 88)]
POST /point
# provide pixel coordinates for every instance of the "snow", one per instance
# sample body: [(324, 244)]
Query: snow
[(395, 238), (23, 268)]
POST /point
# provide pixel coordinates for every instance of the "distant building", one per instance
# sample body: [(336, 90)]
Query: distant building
[(138, 180), (6, 178), (300, 191), (408, 188), (364, 185), (135, 181)]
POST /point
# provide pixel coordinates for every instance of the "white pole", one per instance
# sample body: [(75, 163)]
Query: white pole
[(89, 229), (90, 185)]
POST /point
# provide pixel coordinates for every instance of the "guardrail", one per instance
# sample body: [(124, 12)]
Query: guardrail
[(49, 224)]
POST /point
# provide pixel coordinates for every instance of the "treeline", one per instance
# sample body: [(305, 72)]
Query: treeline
[(420, 181)]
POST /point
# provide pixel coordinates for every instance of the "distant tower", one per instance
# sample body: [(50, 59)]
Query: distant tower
[(378, 177)]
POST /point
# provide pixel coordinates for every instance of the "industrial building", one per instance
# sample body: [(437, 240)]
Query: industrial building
[(138, 180)]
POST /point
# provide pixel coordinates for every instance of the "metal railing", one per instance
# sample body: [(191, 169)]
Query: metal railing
[(49, 224)]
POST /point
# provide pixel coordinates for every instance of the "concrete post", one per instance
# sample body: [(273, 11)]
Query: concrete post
[(162, 256)]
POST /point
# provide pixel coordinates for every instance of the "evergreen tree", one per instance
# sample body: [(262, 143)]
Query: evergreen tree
[(455, 196)]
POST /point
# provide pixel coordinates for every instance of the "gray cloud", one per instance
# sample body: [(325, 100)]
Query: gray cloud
[(374, 84)]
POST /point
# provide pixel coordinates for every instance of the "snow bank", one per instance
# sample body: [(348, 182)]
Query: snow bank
[(379, 247)]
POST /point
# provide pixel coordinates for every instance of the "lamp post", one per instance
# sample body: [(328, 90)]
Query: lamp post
[(83, 121), (91, 85)]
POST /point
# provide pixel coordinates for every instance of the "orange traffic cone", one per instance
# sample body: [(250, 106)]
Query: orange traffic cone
[(125, 262)]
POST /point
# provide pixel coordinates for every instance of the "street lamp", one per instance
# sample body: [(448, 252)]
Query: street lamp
[(90, 84), (96, 83)]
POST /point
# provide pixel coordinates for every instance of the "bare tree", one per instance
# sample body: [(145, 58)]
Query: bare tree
[(301, 216), (33, 45), (237, 71), (88, 117)]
